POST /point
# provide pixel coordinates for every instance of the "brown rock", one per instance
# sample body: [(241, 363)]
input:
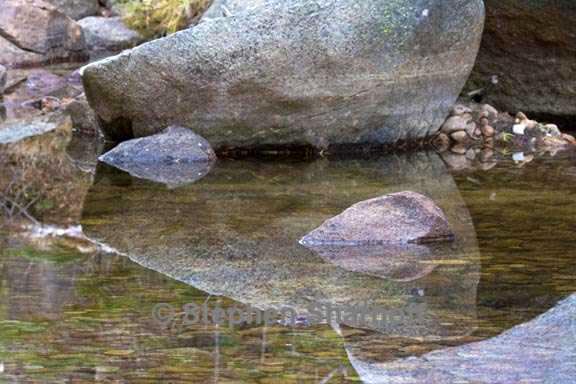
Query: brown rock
[(454, 124), (34, 32), (568, 138), (521, 118), (490, 112), (460, 136), (405, 217), (488, 131), (459, 110)]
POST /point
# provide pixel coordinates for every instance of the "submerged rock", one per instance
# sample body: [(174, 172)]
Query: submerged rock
[(175, 157), (33, 32), (404, 217), (540, 351), (296, 73), (108, 34), (235, 234), (526, 61)]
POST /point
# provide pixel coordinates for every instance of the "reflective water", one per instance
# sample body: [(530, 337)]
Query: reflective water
[(230, 240)]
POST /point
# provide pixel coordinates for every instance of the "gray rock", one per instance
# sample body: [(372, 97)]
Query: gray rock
[(529, 48), (18, 130), (77, 9), (298, 72), (108, 34), (404, 217), (83, 117), (174, 157), (540, 351), (225, 8), (3, 79), (33, 32), (12, 56)]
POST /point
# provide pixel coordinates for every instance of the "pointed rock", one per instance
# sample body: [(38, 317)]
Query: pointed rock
[(174, 157), (404, 217)]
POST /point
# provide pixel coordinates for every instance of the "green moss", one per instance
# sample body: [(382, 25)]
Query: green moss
[(154, 18)]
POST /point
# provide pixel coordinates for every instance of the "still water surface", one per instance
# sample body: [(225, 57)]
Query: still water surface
[(231, 239)]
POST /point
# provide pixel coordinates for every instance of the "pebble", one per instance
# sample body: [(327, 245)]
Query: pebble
[(488, 131), (519, 129), (459, 136), (454, 124)]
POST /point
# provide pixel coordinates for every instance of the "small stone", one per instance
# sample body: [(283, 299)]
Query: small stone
[(490, 112), (518, 156), (398, 218), (459, 149), (568, 138), (488, 131), (471, 154), (441, 142), (519, 129), (454, 124), (521, 118), (471, 130), (459, 110), (552, 129), (460, 136), (50, 104)]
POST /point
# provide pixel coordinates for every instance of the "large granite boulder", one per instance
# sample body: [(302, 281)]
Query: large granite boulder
[(77, 9), (398, 218), (108, 34), (34, 32), (225, 8), (296, 73), (529, 46)]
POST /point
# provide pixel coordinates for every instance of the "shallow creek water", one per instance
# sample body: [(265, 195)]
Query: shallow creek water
[(231, 240)]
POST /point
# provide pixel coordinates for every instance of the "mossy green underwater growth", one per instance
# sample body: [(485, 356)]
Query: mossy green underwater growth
[(154, 18)]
